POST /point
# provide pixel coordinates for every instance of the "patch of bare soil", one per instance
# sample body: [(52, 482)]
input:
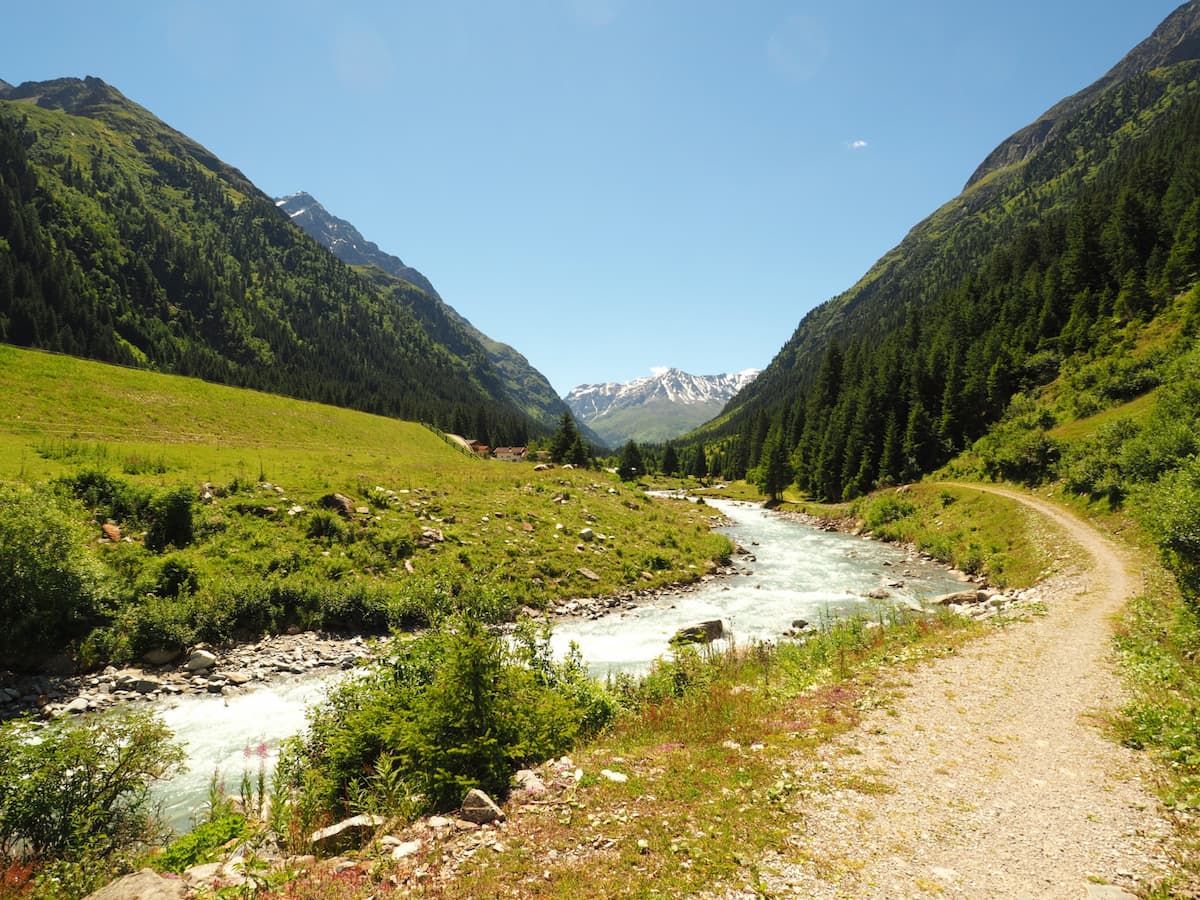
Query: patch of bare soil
[(990, 774)]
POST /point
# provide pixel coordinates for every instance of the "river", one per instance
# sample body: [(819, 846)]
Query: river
[(799, 572)]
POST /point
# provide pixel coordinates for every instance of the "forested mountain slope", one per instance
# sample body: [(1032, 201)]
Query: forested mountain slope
[(1075, 227), (519, 382), (123, 240)]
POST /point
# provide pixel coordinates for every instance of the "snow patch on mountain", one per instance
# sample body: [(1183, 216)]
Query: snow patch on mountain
[(694, 398)]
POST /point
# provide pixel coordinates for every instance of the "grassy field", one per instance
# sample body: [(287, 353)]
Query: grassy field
[(428, 524)]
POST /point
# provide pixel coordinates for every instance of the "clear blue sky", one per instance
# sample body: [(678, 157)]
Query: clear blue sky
[(607, 185)]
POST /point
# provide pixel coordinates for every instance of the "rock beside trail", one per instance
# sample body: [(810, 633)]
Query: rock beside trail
[(348, 833), (144, 885), (480, 809), (961, 597)]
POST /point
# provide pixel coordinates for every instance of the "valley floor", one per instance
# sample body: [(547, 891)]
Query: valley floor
[(990, 775)]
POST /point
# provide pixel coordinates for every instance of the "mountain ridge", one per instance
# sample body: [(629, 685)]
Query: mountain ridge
[(1175, 40), (655, 407), (129, 242), (1062, 239), (521, 383)]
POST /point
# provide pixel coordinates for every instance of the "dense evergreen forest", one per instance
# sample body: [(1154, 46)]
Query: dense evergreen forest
[(123, 241), (1046, 261)]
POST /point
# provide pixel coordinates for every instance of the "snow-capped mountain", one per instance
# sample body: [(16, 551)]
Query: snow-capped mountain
[(661, 406)]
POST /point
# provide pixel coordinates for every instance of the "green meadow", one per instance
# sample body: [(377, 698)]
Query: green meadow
[(262, 547)]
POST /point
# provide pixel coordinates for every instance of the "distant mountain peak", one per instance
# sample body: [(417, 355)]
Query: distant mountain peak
[(345, 240), (656, 407), (521, 383)]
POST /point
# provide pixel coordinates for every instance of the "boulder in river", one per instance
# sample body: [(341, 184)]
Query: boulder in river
[(703, 633)]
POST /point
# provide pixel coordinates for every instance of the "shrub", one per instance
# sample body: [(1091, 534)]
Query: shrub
[(1171, 510), (202, 844), (324, 526), (82, 788), (170, 519), (108, 497), (50, 586), (885, 509), (453, 709)]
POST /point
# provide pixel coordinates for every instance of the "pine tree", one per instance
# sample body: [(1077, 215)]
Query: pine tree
[(564, 439), (631, 466), (700, 463), (775, 471), (670, 462)]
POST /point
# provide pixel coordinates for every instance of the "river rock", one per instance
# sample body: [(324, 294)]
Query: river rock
[(199, 660), (479, 808), (703, 633), (144, 885), (352, 832), (76, 706), (160, 656), (960, 597), (586, 534), (145, 684), (588, 573)]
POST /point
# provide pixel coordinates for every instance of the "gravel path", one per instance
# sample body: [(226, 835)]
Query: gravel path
[(989, 775)]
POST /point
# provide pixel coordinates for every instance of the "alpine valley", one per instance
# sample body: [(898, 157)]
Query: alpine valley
[(1013, 392)]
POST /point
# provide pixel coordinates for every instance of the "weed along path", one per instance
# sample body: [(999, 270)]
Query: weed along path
[(989, 775)]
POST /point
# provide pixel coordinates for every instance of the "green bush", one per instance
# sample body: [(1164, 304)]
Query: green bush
[(170, 518), (202, 844), (453, 709), (108, 497), (82, 787), (1171, 510), (885, 509), (50, 587)]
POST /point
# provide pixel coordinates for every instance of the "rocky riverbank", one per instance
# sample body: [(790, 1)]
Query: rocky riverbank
[(212, 670), (204, 670)]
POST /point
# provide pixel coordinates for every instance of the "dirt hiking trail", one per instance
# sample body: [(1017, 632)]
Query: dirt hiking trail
[(989, 775)]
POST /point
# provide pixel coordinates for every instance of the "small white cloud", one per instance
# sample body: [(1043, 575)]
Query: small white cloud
[(859, 145), (659, 370)]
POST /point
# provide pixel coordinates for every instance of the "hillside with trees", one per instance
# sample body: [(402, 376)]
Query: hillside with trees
[(124, 241), (1073, 239)]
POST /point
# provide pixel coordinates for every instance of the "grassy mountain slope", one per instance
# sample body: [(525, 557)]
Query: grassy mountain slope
[(1068, 234), (125, 241)]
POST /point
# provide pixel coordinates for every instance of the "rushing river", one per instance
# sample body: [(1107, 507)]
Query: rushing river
[(798, 572)]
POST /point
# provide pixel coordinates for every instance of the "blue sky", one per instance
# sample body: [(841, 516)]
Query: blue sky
[(607, 185)]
